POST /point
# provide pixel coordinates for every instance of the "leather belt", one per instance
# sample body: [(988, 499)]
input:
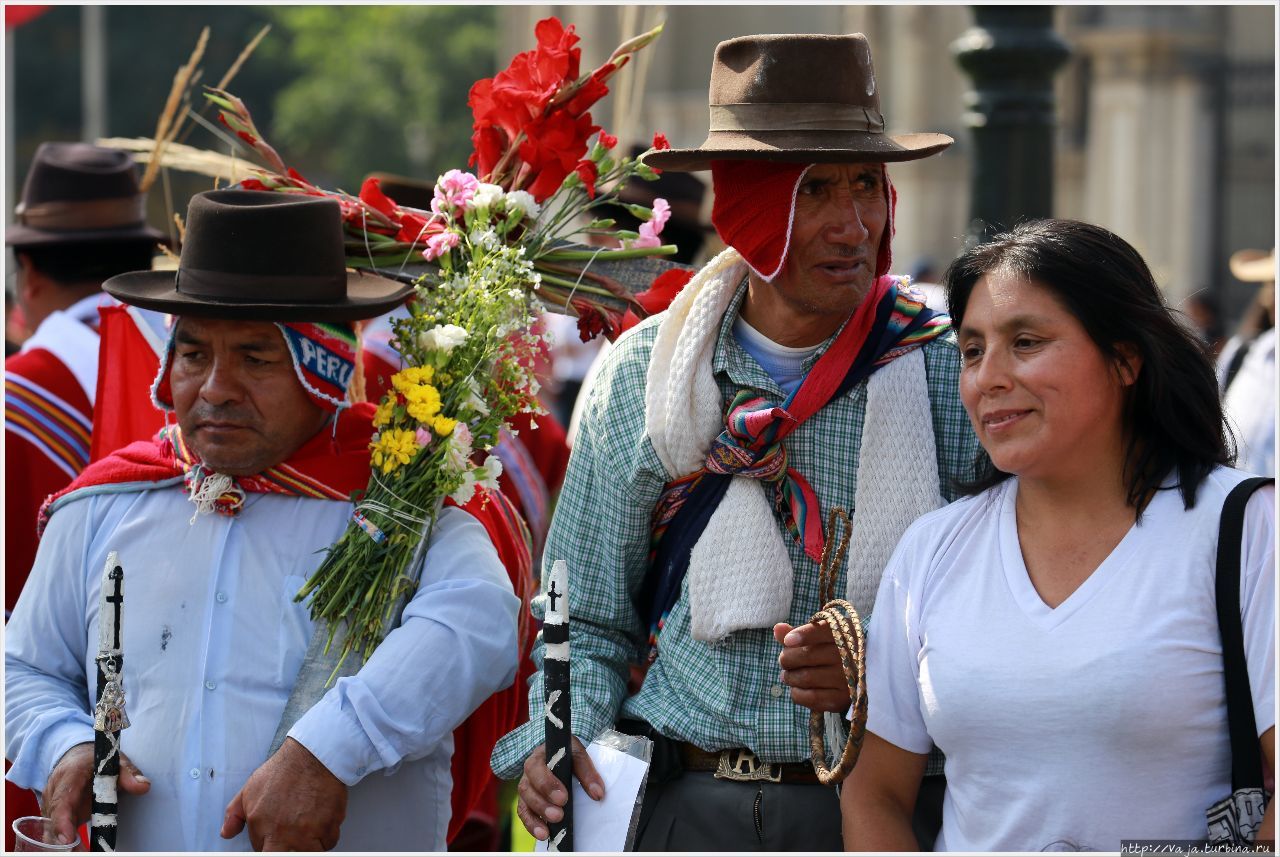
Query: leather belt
[(742, 765)]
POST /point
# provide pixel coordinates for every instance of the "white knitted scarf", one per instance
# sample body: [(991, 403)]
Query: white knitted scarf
[(740, 574)]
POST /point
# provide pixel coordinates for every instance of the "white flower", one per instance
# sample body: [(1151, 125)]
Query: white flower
[(444, 338), (485, 239), (474, 400), (457, 452), (486, 195), (523, 201), (466, 490), (492, 470)]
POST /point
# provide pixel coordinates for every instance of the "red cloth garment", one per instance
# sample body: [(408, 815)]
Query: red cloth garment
[(475, 793), (754, 207), (332, 465), (48, 419), (124, 383)]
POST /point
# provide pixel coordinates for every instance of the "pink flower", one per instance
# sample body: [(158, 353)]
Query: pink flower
[(455, 189), (422, 436), (440, 244), (650, 229), (661, 214)]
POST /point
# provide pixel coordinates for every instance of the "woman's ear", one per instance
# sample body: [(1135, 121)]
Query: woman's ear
[(1128, 363)]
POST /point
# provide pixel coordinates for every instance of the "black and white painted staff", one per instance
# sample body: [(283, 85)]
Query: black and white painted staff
[(555, 633), (108, 715)]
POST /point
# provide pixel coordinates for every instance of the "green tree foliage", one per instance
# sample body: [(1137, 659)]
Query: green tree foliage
[(378, 88)]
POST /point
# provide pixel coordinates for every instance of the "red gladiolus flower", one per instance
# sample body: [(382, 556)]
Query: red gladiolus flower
[(660, 141), (591, 91), (371, 195), (517, 97), (552, 151), (416, 228), (252, 184), (608, 140)]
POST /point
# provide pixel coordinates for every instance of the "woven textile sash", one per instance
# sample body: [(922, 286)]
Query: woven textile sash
[(331, 465), (891, 322)]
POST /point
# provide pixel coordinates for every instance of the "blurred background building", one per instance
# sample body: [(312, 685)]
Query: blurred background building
[(1165, 131)]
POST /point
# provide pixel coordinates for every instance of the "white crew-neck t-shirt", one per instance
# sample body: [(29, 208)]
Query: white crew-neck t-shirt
[(1074, 727)]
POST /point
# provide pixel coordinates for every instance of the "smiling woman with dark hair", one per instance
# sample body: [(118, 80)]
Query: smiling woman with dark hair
[(1056, 634)]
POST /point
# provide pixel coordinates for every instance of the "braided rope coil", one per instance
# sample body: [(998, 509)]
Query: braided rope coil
[(846, 629)]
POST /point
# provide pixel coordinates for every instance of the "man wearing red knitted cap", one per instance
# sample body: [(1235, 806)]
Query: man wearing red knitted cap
[(792, 375), (217, 522)]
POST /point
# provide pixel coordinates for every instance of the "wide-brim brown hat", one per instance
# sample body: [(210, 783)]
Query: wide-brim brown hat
[(800, 98), (262, 256), (77, 193), (1253, 266)]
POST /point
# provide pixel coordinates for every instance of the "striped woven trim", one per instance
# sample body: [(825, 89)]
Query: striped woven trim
[(48, 423)]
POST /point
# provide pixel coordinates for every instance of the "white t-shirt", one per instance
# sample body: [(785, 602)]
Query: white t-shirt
[(1074, 727)]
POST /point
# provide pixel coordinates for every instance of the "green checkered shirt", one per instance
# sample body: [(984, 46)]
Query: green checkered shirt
[(714, 695)]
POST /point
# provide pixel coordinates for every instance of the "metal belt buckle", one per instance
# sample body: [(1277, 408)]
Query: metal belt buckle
[(745, 766)]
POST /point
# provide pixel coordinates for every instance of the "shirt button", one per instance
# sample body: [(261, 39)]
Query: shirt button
[(195, 773), (775, 691), (222, 597), (210, 685)]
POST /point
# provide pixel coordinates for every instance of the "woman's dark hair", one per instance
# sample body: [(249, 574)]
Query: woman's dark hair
[(1173, 414)]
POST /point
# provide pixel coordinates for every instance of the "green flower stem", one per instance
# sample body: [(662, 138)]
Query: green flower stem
[(607, 255), (577, 287)]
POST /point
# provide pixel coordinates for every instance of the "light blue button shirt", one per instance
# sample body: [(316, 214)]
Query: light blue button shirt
[(212, 644)]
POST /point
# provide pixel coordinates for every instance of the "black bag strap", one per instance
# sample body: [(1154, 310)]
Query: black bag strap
[(1246, 759)]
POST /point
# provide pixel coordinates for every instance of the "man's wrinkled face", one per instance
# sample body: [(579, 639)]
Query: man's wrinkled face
[(840, 217), (237, 395)]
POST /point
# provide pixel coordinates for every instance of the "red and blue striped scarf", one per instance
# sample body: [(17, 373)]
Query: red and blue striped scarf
[(891, 322)]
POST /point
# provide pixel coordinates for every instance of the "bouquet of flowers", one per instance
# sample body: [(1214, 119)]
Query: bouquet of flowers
[(490, 245), (539, 174)]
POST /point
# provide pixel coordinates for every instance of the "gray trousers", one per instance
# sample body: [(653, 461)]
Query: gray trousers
[(697, 812)]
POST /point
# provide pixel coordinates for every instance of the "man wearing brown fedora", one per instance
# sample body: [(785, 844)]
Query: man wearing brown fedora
[(81, 220), (217, 522), (791, 376), (1249, 376)]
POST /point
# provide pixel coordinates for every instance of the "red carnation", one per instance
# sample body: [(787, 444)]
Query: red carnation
[(608, 140), (660, 141), (588, 172)]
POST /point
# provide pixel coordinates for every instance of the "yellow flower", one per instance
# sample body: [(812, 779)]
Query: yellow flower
[(382, 415), (443, 426), (423, 402), (394, 448), (411, 376)]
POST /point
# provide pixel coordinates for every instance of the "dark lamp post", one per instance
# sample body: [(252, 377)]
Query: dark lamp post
[(1011, 53)]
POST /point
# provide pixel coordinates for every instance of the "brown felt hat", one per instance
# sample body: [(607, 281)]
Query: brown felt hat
[(78, 193), (261, 256), (798, 98)]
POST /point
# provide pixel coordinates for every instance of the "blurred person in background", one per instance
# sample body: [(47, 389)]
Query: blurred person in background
[(1248, 366), (81, 221)]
